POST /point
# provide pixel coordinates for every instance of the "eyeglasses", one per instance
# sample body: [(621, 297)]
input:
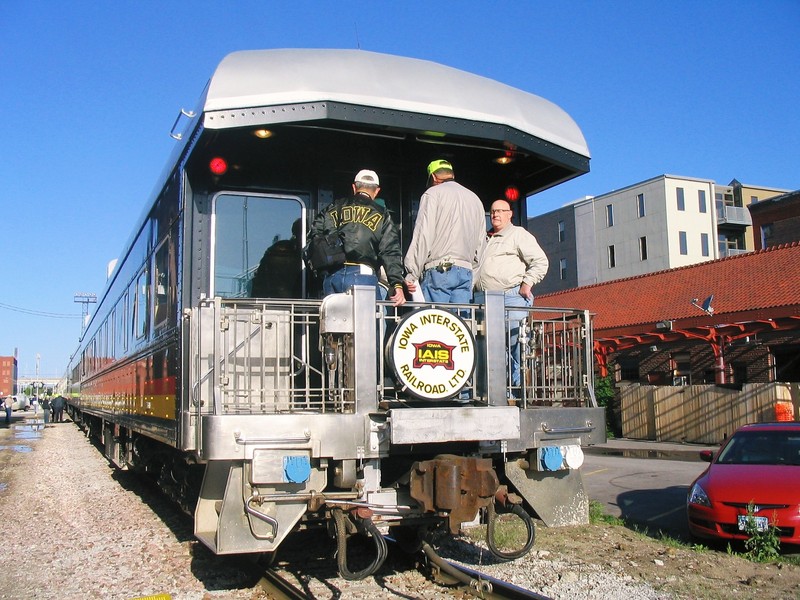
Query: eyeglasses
[(495, 211)]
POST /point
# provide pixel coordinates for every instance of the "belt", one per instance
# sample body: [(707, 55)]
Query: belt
[(446, 264), (365, 269)]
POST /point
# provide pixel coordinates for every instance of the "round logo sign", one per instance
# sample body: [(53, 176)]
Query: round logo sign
[(432, 353)]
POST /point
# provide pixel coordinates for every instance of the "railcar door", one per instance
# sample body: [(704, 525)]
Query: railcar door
[(257, 246)]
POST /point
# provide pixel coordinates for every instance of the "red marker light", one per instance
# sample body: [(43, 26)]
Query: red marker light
[(218, 166), (512, 193)]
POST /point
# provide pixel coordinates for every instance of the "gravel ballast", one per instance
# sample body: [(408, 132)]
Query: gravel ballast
[(74, 527)]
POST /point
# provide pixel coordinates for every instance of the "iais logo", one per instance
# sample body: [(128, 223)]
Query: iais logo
[(432, 353)]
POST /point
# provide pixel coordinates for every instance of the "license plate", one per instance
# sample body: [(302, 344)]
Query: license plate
[(762, 523)]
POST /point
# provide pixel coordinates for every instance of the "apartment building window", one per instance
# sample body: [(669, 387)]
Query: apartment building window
[(643, 247), (701, 200), (562, 231), (704, 248), (562, 268), (766, 234), (682, 243), (730, 244), (724, 199), (640, 205), (612, 260), (681, 202), (609, 215)]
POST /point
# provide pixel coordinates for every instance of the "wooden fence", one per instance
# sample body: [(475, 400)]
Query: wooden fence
[(704, 414)]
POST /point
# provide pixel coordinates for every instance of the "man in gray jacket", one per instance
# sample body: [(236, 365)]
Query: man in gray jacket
[(448, 233), (512, 262)]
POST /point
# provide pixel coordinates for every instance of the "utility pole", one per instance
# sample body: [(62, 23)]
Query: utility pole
[(85, 299)]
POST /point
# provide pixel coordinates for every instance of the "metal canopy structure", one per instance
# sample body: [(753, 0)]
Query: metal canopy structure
[(755, 293), (422, 108), (270, 78)]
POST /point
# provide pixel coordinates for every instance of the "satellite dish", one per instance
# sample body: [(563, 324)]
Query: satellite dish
[(705, 306)]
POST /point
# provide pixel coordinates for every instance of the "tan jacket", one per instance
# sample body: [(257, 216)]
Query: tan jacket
[(510, 257)]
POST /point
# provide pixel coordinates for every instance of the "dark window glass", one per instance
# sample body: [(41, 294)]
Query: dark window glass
[(258, 243)]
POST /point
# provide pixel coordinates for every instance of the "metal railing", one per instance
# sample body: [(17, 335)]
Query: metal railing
[(734, 215), (556, 359), (253, 356)]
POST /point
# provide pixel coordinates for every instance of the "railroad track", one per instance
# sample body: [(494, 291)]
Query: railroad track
[(443, 575), (474, 582), (279, 588)]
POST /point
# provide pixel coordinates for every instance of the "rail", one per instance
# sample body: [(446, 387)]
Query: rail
[(254, 356)]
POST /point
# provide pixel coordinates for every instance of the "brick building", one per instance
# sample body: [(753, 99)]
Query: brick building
[(8, 375), (776, 220)]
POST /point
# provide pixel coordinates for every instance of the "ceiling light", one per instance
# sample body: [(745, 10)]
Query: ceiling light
[(506, 158)]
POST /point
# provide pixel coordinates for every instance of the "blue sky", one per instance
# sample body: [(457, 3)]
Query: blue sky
[(90, 90)]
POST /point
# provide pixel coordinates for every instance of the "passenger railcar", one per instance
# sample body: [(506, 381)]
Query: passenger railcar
[(212, 364)]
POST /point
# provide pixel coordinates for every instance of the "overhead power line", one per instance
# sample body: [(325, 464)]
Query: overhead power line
[(39, 313)]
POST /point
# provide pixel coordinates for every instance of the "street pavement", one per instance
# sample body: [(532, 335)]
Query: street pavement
[(644, 482)]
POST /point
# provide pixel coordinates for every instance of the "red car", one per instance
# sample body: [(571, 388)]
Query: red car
[(759, 465)]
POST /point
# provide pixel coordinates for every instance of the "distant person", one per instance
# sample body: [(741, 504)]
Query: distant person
[(370, 239), (8, 407), (512, 262), (58, 408), (448, 234), (45, 404)]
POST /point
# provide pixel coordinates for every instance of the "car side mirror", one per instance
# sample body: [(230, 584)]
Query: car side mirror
[(706, 455)]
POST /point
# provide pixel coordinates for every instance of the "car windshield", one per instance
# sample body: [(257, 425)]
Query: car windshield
[(762, 448)]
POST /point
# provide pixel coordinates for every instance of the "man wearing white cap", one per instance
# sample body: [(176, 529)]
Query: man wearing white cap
[(370, 240)]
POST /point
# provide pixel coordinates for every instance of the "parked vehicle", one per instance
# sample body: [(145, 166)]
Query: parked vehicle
[(756, 473), (20, 402)]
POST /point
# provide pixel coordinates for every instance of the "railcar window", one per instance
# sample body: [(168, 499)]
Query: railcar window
[(103, 344), (142, 302), (257, 243), (161, 283), (121, 339), (112, 335)]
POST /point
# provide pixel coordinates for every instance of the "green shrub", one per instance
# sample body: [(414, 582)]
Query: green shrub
[(761, 546)]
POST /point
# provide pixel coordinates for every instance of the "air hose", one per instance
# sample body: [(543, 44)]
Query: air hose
[(529, 526), (381, 550)]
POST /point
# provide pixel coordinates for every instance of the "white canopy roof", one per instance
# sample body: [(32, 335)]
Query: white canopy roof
[(258, 78)]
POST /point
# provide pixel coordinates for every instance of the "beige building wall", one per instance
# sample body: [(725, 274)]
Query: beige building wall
[(645, 235)]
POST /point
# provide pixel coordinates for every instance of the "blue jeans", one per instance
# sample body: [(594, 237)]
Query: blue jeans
[(511, 298), (453, 286), (349, 275)]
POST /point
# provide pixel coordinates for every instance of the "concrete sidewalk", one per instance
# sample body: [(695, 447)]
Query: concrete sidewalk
[(649, 449)]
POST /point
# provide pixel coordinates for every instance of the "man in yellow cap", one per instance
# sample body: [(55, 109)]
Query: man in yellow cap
[(448, 234)]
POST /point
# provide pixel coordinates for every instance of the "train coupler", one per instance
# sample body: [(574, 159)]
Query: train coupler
[(455, 485)]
